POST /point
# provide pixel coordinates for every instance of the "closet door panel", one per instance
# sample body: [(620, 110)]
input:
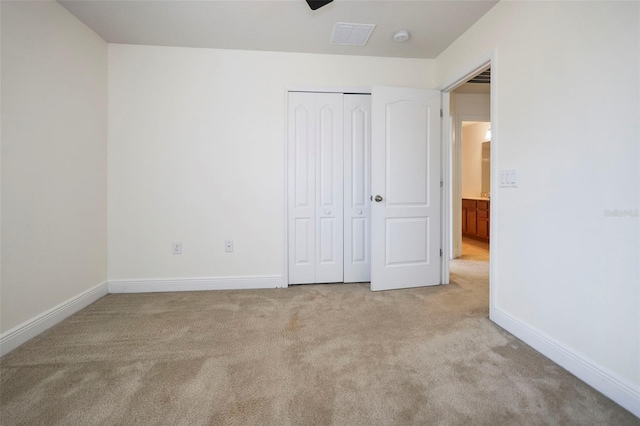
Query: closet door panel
[(359, 243), (301, 150), (303, 231), (329, 188), (357, 205)]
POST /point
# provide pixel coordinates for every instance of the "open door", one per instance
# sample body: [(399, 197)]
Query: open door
[(405, 185)]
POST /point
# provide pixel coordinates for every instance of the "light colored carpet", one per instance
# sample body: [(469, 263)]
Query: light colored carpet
[(322, 354)]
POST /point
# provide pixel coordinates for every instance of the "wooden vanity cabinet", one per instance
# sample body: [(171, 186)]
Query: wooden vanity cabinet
[(475, 219)]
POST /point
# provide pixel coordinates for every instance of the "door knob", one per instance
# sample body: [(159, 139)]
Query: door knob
[(359, 211), (378, 198), (327, 211)]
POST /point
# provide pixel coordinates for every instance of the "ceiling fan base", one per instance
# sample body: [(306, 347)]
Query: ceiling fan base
[(317, 4)]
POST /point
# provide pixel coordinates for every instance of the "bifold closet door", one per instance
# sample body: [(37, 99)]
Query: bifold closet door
[(357, 188), (315, 188)]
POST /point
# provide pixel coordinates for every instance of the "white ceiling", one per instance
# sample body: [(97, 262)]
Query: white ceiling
[(284, 25)]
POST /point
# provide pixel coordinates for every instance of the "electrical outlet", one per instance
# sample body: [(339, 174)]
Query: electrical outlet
[(228, 246), (176, 247)]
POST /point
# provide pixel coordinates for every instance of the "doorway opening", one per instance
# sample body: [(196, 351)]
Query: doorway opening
[(468, 141), (475, 182)]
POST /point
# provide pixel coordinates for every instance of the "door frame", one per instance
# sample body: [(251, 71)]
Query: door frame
[(456, 79), (285, 180)]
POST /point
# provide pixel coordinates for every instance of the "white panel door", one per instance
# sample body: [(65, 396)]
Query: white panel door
[(301, 188), (315, 188), (329, 187), (405, 180), (357, 188)]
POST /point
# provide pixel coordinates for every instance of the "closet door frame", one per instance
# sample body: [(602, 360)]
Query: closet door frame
[(285, 224)]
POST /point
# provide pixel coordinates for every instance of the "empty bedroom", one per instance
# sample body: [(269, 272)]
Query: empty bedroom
[(245, 212)]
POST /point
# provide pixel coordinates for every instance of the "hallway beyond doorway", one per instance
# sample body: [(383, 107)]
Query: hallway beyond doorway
[(471, 272), (474, 250)]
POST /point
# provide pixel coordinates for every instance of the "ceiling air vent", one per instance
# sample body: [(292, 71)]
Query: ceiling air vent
[(348, 34)]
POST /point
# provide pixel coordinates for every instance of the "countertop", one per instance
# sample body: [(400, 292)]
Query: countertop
[(477, 198)]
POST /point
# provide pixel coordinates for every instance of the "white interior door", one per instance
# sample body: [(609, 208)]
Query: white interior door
[(330, 188), (301, 188), (315, 188), (357, 188), (405, 181)]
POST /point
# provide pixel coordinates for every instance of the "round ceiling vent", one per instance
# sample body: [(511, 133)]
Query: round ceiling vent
[(401, 36)]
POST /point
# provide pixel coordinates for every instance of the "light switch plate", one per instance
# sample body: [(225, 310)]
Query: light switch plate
[(176, 247), (508, 178)]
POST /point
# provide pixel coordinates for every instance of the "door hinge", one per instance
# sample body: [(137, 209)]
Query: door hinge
[(440, 252), (441, 184), (441, 113)]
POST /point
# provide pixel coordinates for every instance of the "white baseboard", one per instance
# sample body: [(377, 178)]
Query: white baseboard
[(194, 284), (15, 337), (598, 377)]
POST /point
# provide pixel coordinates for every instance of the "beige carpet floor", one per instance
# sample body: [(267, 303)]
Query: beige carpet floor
[(321, 354)]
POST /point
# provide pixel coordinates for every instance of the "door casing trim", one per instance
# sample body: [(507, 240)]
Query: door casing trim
[(488, 60)]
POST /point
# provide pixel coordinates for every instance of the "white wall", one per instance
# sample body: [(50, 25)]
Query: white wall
[(196, 153), (567, 102), (470, 106), (54, 106), (473, 135)]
